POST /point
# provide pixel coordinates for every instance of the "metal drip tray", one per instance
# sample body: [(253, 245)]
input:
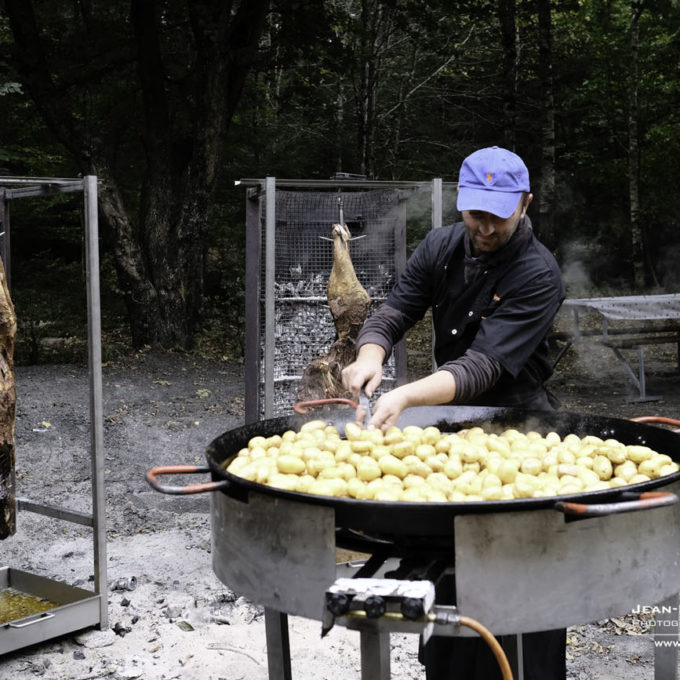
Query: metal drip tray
[(75, 608)]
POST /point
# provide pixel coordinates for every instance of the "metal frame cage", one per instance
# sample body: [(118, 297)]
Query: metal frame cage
[(76, 608), (288, 261)]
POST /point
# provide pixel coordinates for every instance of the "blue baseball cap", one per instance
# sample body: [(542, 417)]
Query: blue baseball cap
[(493, 180)]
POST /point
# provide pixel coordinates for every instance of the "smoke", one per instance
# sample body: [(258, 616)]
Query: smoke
[(577, 279)]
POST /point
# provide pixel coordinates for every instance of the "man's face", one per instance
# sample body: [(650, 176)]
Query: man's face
[(488, 232)]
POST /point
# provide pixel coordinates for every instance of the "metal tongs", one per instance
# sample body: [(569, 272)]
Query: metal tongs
[(366, 404)]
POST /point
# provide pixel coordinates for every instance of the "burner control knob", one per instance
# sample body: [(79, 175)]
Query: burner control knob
[(374, 606), (412, 608), (338, 603)]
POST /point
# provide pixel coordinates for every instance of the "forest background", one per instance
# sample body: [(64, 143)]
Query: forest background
[(169, 102)]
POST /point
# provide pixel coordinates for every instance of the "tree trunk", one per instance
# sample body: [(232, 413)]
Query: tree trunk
[(376, 21), (159, 251), (637, 243), (506, 16), (546, 192), (8, 327)]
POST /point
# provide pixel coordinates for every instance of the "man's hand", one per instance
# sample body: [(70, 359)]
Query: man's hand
[(388, 408), (365, 372), (438, 388)]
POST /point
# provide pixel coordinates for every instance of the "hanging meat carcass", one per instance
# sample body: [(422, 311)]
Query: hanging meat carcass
[(8, 327), (349, 304)]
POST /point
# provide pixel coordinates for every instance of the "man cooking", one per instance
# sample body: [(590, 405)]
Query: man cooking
[(494, 291)]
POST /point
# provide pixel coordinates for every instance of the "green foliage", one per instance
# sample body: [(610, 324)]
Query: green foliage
[(436, 93)]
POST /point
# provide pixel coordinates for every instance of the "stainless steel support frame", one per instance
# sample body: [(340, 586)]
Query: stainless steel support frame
[(516, 572), (79, 608)]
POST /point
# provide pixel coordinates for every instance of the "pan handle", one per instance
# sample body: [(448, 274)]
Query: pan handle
[(303, 406), (154, 472), (632, 503), (658, 419)]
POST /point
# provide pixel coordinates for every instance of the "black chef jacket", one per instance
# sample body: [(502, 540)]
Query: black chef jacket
[(506, 312)]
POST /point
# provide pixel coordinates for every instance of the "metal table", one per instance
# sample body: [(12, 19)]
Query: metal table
[(634, 308)]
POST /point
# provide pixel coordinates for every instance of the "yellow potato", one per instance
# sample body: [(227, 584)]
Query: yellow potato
[(368, 469), (413, 494), (289, 464), (352, 431), (312, 425), (413, 432), (274, 440), (637, 479), (507, 471), (283, 481), (439, 481), (615, 453), (589, 477), (453, 469), (430, 435), (492, 493), (238, 464), (413, 480), (391, 465), (377, 452), (531, 466), (626, 470), (393, 436), (403, 448), (417, 467), (304, 483), (651, 467), (435, 495), (668, 469), (361, 445), (436, 463), (392, 480), (639, 453), (424, 451), (374, 436), (387, 494), (602, 466), (321, 487), (257, 442), (566, 456)]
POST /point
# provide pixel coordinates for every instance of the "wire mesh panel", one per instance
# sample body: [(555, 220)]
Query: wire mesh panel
[(303, 261), (288, 320)]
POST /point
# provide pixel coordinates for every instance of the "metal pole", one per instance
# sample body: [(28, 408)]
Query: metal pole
[(436, 203), (375, 655), (6, 244), (278, 644), (436, 223), (252, 355), (270, 319), (96, 401)]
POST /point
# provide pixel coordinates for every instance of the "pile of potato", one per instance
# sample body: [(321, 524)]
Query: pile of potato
[(425, 465)]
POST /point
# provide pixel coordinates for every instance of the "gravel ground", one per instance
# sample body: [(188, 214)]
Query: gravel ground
[(179, 621)]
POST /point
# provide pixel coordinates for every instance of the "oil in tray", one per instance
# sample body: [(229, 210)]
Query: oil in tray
[(16, 605)]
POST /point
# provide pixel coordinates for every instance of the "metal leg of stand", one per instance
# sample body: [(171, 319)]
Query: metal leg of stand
[(512, 646), (666, 639), (641, 368), (638, 380), (278, 644), (375, 655)]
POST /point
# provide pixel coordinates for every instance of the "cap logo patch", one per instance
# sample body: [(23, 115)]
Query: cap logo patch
[(489, 177)]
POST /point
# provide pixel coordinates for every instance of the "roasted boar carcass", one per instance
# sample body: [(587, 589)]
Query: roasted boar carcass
[(349, 304)]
